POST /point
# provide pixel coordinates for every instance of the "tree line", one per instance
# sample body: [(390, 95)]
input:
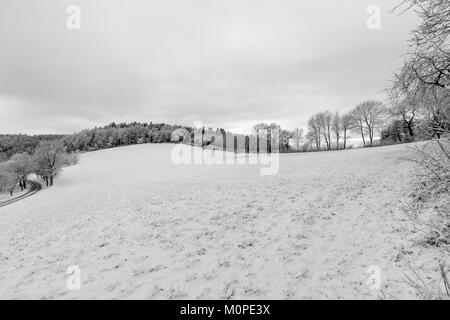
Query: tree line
[(405, 119), (328, 130), (121, 134), (10, 144)]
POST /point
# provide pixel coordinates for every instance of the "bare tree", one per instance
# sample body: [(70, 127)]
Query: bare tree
[(407, 112), (424, 80), (432, 68), (325, 120), (298, 137), (414, 97), (346, 125), (435, 26), (436, 112), (337, 127), (358, 122), (406, 99), (369, 116), (314, 131), (429, 54)]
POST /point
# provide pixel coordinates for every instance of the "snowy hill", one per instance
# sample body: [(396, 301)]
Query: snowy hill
[(139, 226)]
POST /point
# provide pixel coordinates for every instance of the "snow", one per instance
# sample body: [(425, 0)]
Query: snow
[(139, 226), (5, 196)]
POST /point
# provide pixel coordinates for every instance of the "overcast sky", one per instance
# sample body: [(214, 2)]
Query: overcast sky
[(228, 63)]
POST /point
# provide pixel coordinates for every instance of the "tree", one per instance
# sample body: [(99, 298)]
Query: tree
[(435, 26), (346, 125), (11, 144), (259, 128), (369, 116), (432, 68), (8, 178), (20, 164), (413, 97), (407, 112), (284, 137), (325, 120), (314, 131), (273, 133), (406, 98), (337, 127), (429, 55), (436, 112), (263, 130), (298, 137), (393, 133), (48, 159), (424, 80)]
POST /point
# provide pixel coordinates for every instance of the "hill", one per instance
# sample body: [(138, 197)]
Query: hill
[(139, 226)]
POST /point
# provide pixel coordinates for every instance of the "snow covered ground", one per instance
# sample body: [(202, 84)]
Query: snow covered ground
[(139, 226), (5, 196)]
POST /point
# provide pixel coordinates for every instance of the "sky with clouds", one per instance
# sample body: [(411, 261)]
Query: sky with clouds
[(227, 63)]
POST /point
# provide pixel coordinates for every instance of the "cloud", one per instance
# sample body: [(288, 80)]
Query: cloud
[(226, 63)]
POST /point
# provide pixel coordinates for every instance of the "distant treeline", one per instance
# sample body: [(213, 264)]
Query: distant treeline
[(121, 134), (11, 144), (110, 136)]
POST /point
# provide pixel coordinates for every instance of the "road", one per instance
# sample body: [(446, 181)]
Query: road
[(34, 188)]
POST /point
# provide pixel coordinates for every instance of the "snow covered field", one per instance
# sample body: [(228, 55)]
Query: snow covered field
[(138, 226)]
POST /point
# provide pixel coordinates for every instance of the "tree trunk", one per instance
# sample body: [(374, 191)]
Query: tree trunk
[(224, 140), (410, 129), (257, 142), (329, 139), (247, 144), (203, 133), (362, 134), (51, 180), (345, 139), (371, 136), (409, 125)]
